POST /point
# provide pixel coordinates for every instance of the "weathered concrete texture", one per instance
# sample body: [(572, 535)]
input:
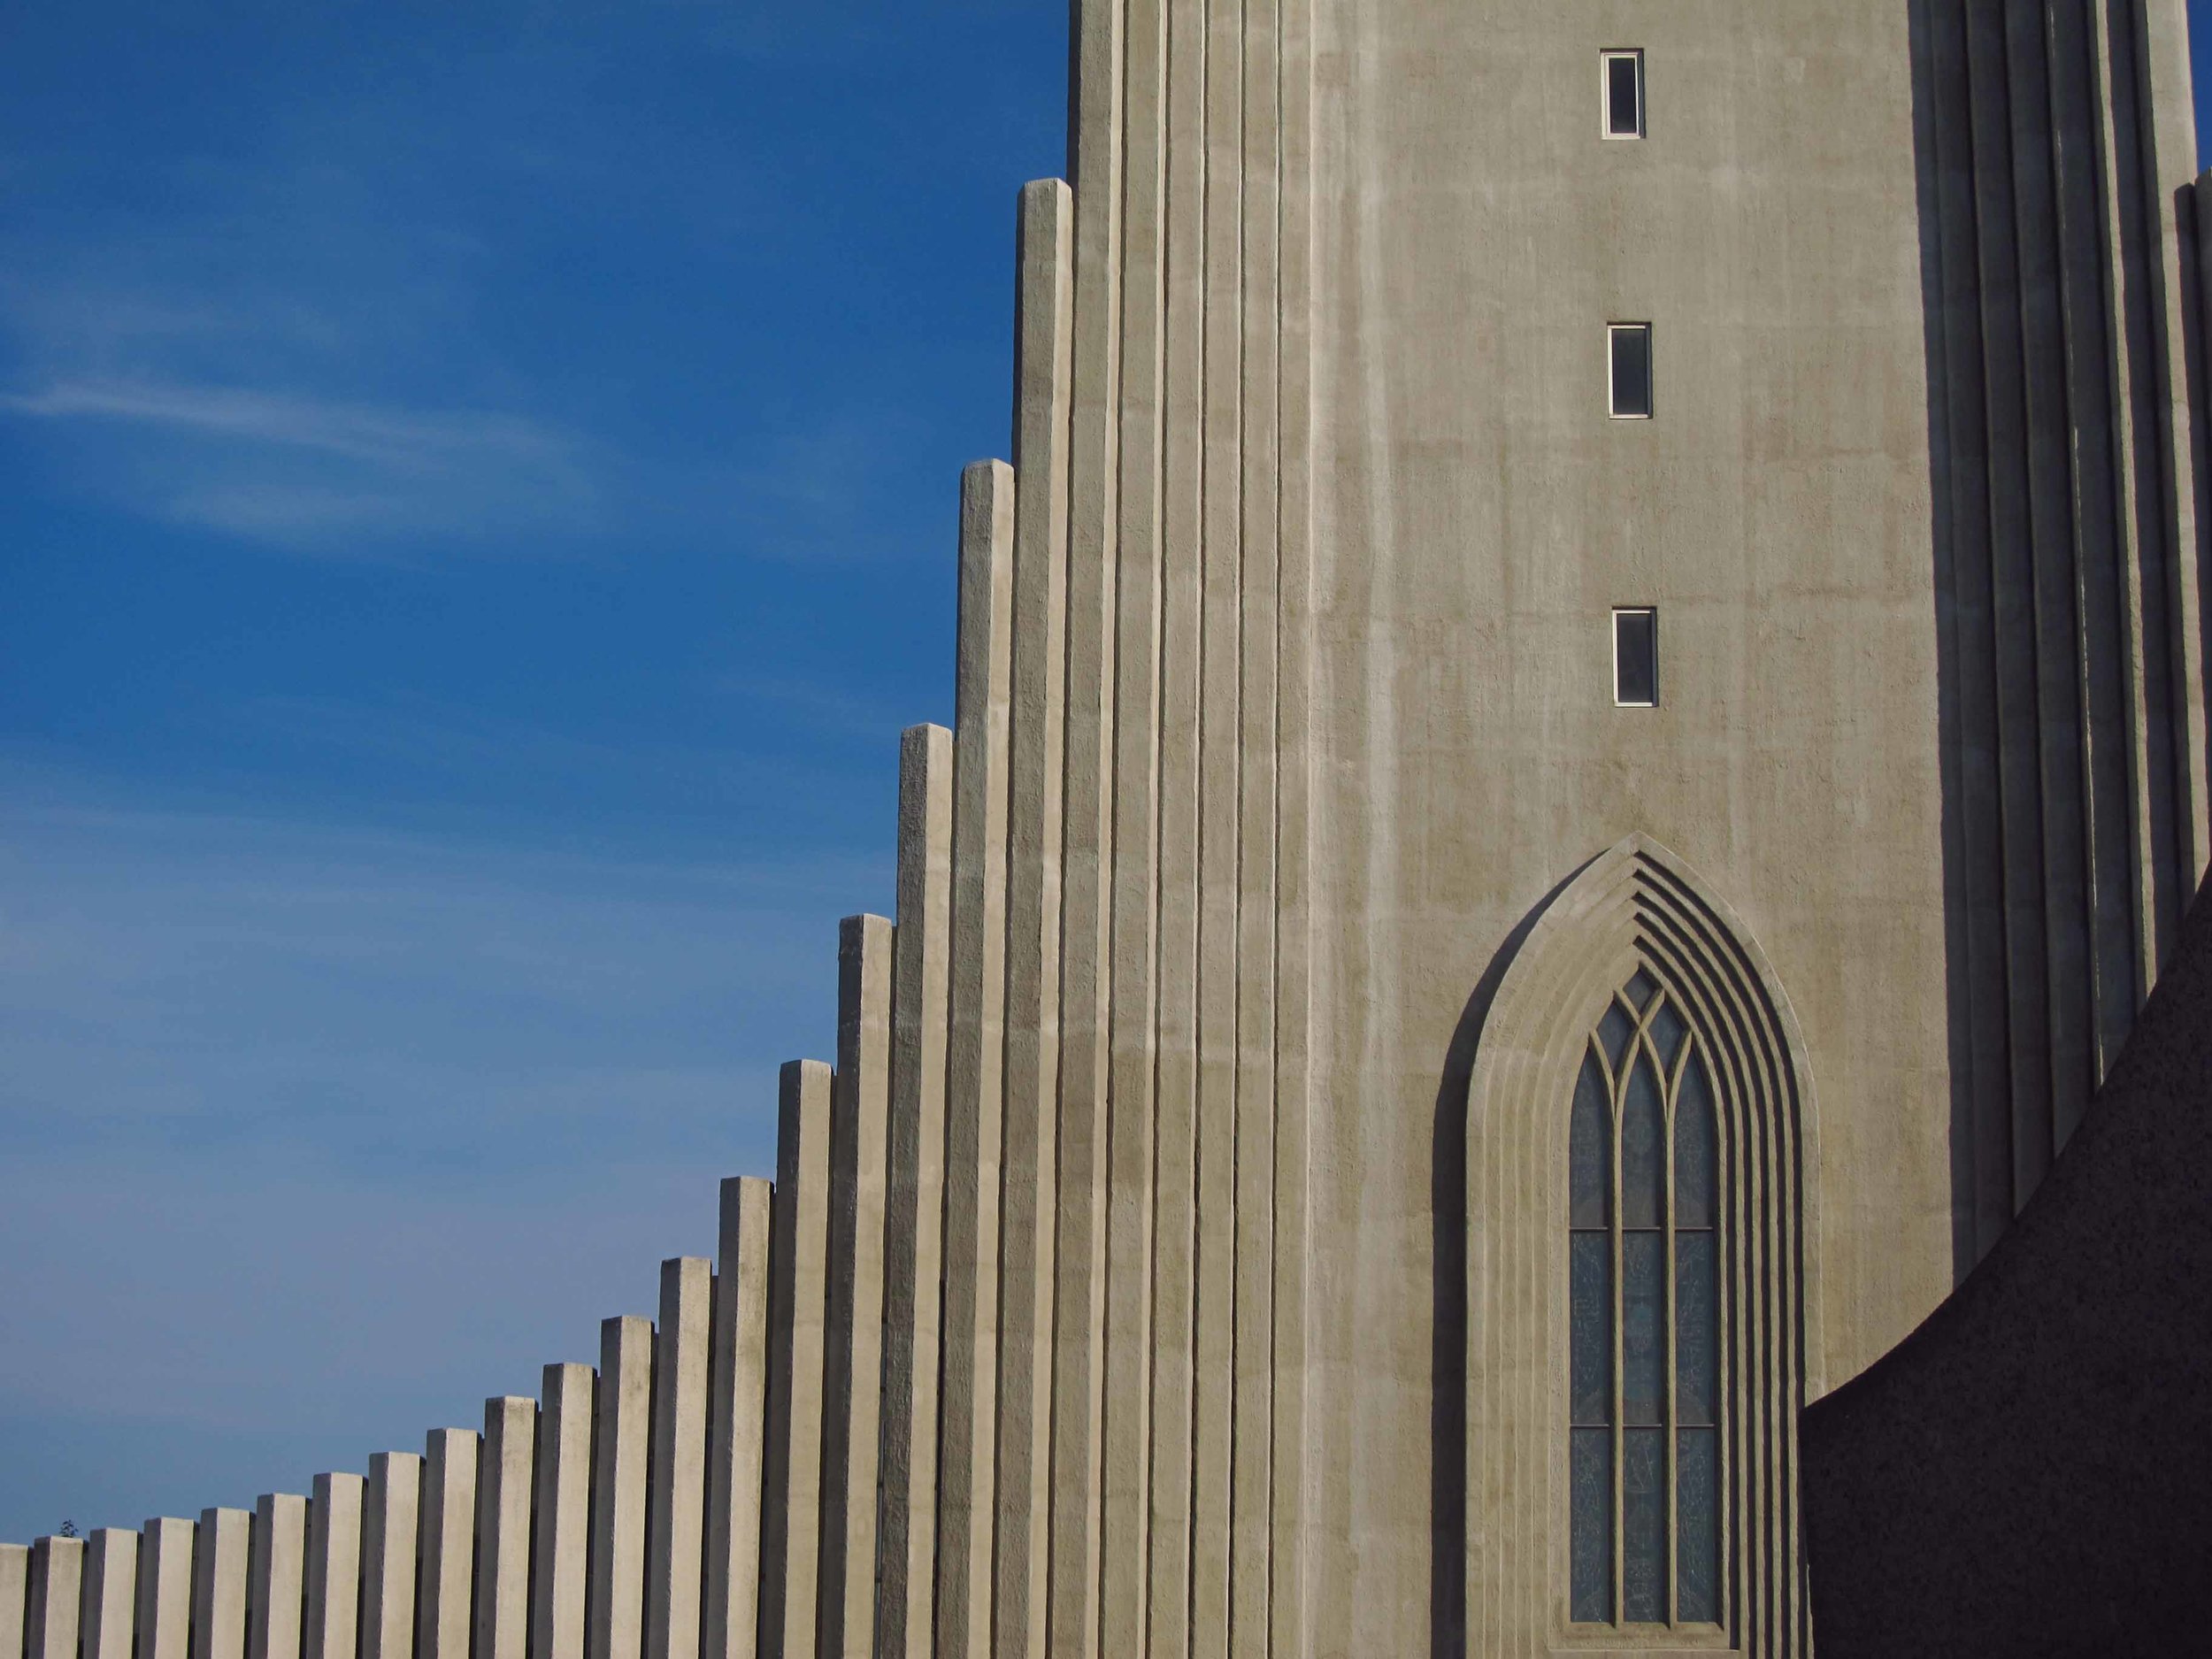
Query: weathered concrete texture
[(220, 1581), (622, 1448), (562, 1538), (853, 1340), (676, 1538), (15, 1592), (914, 1199), (504, 1481), (165, 1613), (56, 1588), (2027, 1474), (109, 1614), (737, 1407), (278, 1598), (444, 1613), (388, 1533), (791, 1505), (334, 1571)]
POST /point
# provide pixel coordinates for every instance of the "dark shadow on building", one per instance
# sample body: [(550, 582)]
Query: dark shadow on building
[(2030, 1472)]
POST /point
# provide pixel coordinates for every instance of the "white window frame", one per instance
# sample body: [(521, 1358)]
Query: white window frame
[(1606, 60), (1614, 622), (1651, 371)]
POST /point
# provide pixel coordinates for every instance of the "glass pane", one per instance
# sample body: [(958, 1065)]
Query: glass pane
[(1697, 1509), (1667, 1030), (1632, 370), (1644, 1526), (1590, 1151), (1643, 1169), (1590, 1326), (1614, 1031), (1643, 1327), (1591, 1481), (1640, 989), (1635, 658), (1696, 1327), (1695, 1150), (1622, 117)]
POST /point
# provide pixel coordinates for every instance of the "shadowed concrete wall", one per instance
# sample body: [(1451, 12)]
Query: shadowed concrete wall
[(2028, 1472)]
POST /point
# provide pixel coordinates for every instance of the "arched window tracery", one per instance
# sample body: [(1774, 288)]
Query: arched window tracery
[(1645, 1460)]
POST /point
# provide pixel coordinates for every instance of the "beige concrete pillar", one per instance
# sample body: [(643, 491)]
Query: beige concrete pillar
[(737, 1420), (444, 1602), (56, 1596), (279, 1600), (333, 1570), (1036, 773), (502, 1528), (388, 1556), (675, 1541), (562, 1534), (853, 1338), (975, 1058), (111, 1596), (15, 1598), (791, 1528), (165, 1547), (616, 1617), (219, 1584), (913, 1239)]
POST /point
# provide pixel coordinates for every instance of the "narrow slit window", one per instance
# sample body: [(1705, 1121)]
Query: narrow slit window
[(1629, 370), (1636, 658), (1624, 94)]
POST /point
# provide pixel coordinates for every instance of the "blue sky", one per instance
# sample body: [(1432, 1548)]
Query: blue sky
[(480, 486)]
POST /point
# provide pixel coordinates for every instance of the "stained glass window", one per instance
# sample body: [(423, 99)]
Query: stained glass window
[(1645, 1203)]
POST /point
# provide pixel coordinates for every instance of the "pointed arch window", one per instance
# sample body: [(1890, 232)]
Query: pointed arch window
[(1644, 1457)]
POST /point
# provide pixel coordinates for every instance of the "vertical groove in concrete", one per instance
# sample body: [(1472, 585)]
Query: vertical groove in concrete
[(914, 1220), (110, 1609), (445, 1602), (502, 1528), (388, 1530), (219, 1589), (1253, 1159), (333, 1575), (166, 1547), (675, 1541), (278, 1596), (58, 1587), (2011, 594), (853, 1337), (1293, 785), (622, 1438), (975, 1064), (791, 1505), (1170, 1382), (1126, 1403), (1037, 742), (561, 1536), (1077, 1330), (2068, 1076), (738, 1407), (1219, 776)]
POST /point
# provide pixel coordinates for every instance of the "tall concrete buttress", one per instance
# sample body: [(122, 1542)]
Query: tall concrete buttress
[(1380, 1105)]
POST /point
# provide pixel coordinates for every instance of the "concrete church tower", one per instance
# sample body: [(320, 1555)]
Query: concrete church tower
[(1580, 729)]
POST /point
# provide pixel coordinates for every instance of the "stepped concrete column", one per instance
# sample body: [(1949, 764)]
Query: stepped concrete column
[(219, 1584), (676, 1538), (502, 1528), (388, 1556), (110, 1595), (57, 1590), (567, 1404), (617, 1613), (333, 1570), (279, 1578), (444, 1604), (738, 1406)]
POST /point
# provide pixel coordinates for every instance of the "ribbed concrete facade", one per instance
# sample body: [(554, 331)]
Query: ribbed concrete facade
[(1176, 1259)]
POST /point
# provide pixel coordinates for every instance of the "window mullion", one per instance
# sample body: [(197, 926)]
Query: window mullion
[(1672, 1415), (1618, 1401)]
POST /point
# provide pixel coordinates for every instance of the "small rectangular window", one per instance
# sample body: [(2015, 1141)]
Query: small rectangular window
[(1629, 370), (1636, 658), (1623, 95)]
